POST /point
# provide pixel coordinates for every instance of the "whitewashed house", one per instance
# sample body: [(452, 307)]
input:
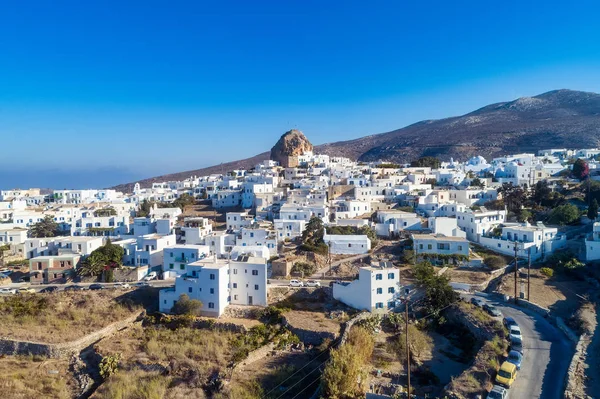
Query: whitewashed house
[(176, 258), (195, 230), (480, 222), (430, 246), (592, 244), (288, 229), (538, 240), (347, 244), (392, 222), (219, 282), (376, 290)]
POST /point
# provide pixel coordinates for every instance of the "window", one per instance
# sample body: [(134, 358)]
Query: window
[(211, 305), (256, 287), (189, 289), (212, 290), (460, 247), (182, 266), (235, 297), (379, 277), (391, 290), (379, 305), (255, 272), (380, 290), (390, 276), (420, 246), (171, 266), (234, 271), (171, 254), (212, 276), (234, 285)]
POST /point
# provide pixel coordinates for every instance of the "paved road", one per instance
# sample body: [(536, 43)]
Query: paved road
[(546, 358), (153, 283)]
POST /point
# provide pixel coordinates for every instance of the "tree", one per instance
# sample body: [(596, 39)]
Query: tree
[(313, 232), (430, 162), (477, 182), (564, 214), (144, 208), (369, 232), (183, 200), (592, 211), (541, 192), (581, 170), (513, 196), (187, 306), (104, 259), (438, 292), (47, 227), (494, 262)]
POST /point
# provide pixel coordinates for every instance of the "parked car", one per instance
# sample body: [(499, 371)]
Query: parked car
[(141, 284), (150, 276), (477, 302), (6, 272), (8, 291), (514, 330), (498, 392), (509, 321), (515, 358), (74, 288), (296, 283), (516, 343), (48, 290), (506, 375), (26, 290), (123, 286), (492, 310), (312, 283), (94, 287)]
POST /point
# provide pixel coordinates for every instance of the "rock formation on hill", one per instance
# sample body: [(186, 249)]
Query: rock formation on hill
[(289, 146), (557, 119)]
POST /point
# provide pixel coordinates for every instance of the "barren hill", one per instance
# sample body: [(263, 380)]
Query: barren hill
[(559, 118)]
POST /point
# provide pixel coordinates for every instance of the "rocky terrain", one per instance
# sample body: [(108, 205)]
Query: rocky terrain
[(560, 118), (290, 144)]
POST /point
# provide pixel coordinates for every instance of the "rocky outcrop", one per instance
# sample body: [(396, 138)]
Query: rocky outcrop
[(289, 147)]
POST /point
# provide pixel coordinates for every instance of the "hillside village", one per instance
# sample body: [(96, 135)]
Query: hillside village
[(333, 240)]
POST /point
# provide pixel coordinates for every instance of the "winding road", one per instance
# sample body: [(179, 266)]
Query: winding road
[(547, 354)]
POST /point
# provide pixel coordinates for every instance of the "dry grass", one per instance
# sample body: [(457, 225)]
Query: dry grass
[(190, 355), (28, 377), (312, 321), (68, 316)]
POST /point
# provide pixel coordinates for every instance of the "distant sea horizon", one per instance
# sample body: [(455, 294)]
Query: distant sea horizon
[(67, 179)]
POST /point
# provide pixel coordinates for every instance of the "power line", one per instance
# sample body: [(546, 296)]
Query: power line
[(304, 389), (300, 380), (300, 369)]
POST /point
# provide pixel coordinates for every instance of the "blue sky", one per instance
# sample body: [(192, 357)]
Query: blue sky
[(125, 90)]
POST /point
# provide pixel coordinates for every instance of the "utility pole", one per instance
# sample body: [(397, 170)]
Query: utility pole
[(516, 272), (528, 274), (329, 256), (407, 347)]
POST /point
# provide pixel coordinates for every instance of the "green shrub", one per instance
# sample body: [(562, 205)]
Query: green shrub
[(109, 365), (25, 305), (546, 271), (187, 306), (306, 268), (494, 262)]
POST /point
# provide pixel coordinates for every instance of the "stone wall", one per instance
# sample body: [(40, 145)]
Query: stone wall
[(573, 381), (66, 349)]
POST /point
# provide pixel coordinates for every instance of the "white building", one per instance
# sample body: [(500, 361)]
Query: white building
[(237, 220), (288, 229), (218, 283), (430, 244), (479, 223), (176, 258), (347, 244), (592, 244), (195, 230), (392, 222), (376, 290), (539, 240)]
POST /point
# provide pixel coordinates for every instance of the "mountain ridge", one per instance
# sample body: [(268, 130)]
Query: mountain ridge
[(548, 120)]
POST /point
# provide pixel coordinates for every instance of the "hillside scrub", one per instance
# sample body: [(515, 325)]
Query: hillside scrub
[(345, 373), (61, 316), (494, 262)]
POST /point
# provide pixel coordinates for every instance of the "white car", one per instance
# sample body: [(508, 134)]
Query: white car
[(312, 283), (8, 291), (514, 330), (150, 276), (296, 283), (123, 286)]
